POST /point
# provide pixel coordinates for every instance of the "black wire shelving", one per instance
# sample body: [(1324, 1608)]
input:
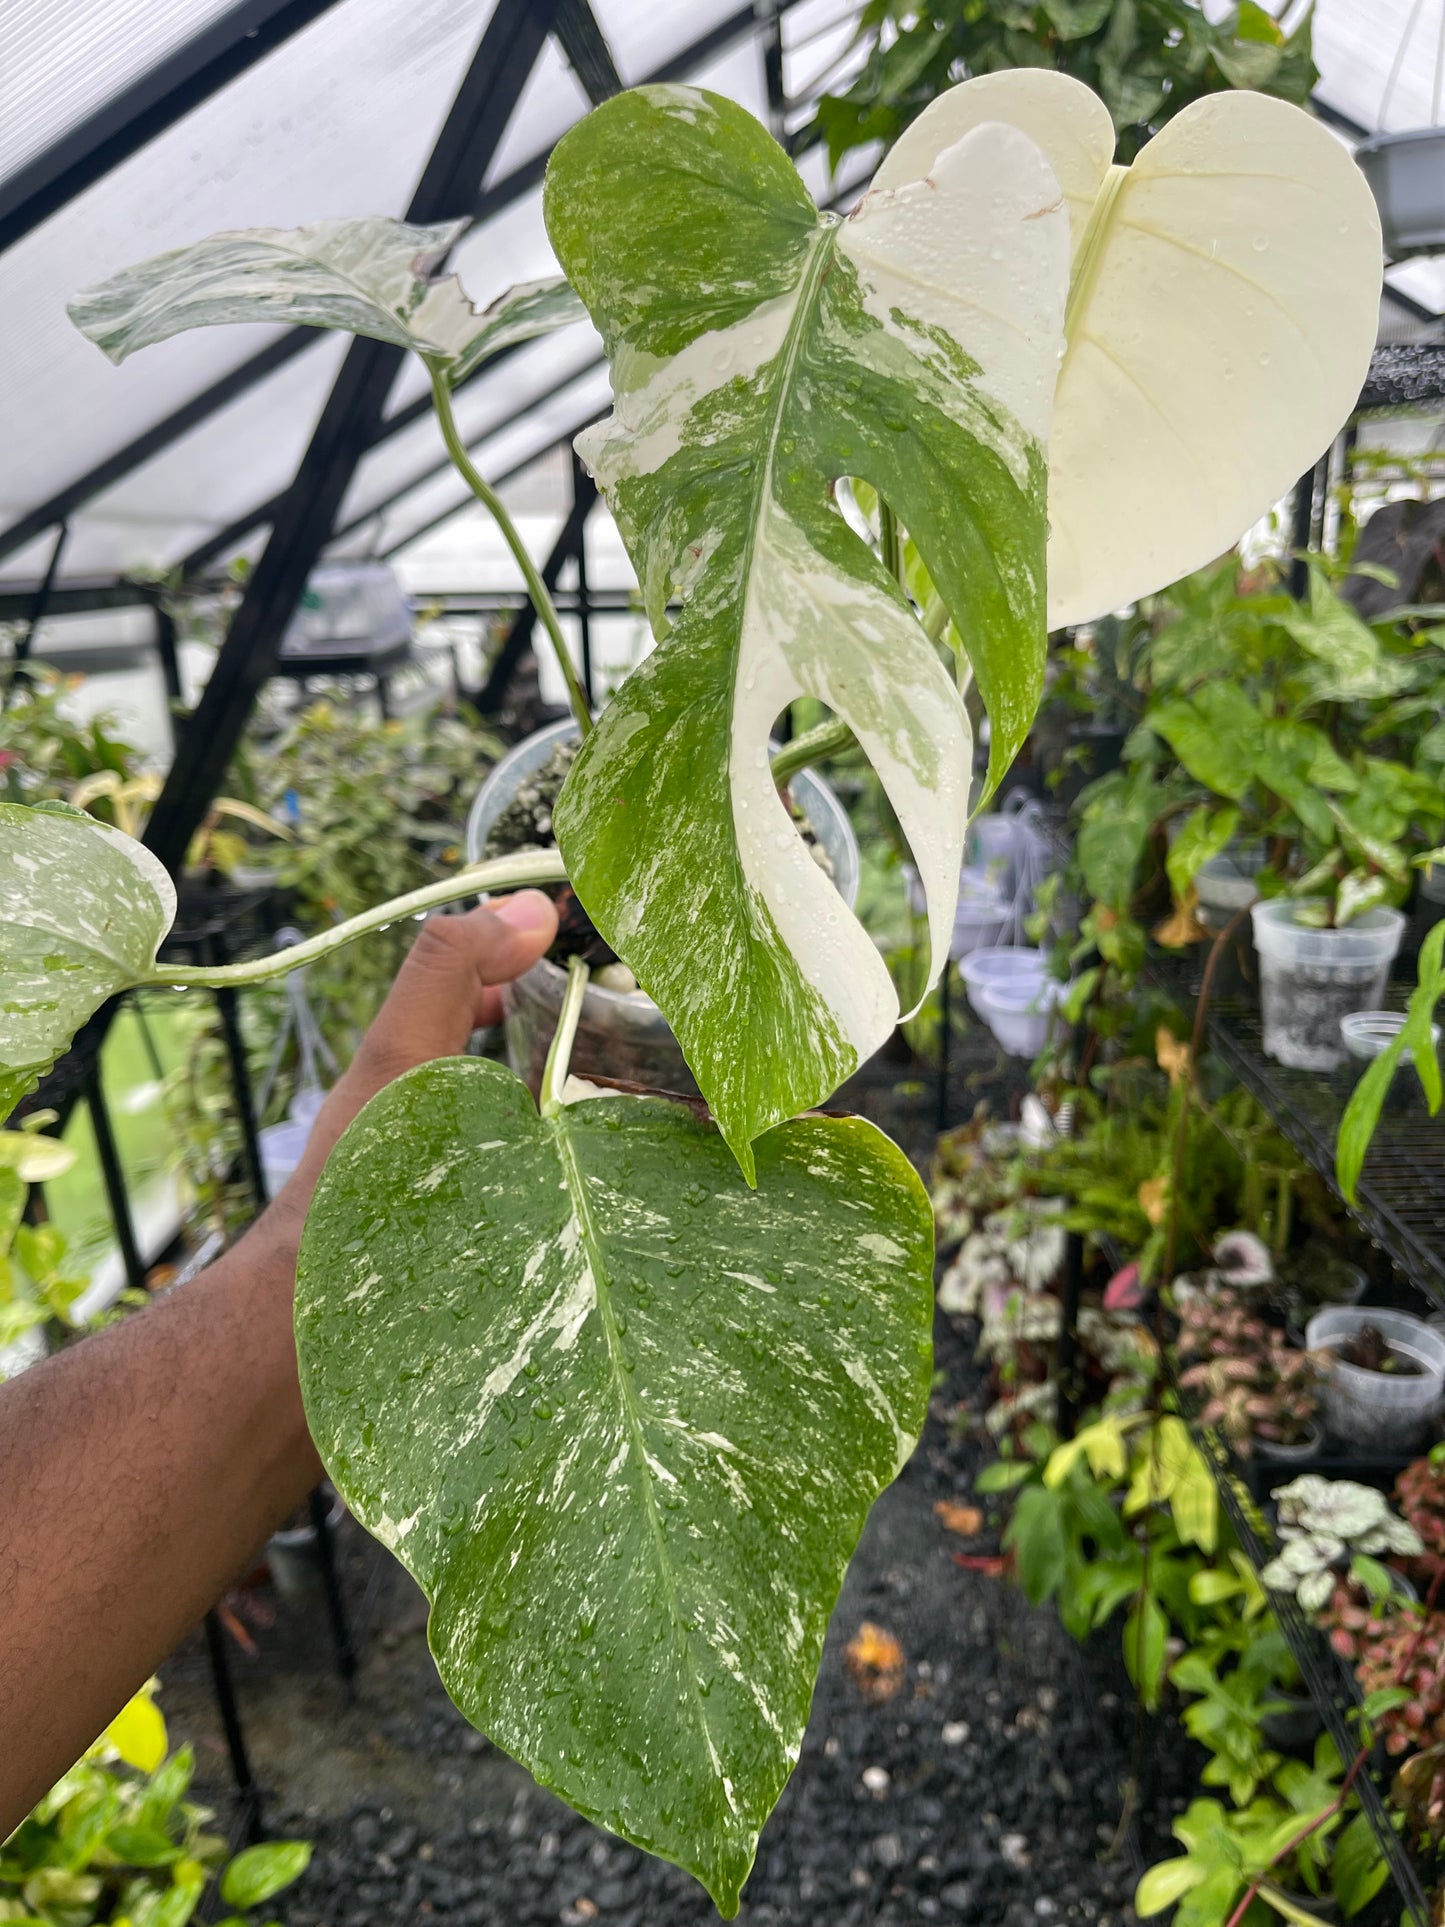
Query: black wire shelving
[(1401, 1194)]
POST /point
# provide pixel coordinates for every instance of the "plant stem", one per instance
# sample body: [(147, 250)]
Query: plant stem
[(559, 1054), (890, 543), (501, 873), (811, 747), (1298, 1840), (492, 502)]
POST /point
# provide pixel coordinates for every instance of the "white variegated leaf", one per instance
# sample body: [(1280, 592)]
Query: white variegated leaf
[(82, 911), (1223, 306), (761, 351), (622, 1418), (371, 276)]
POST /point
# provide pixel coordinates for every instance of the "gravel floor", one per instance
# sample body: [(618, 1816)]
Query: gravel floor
[(987, 1790)]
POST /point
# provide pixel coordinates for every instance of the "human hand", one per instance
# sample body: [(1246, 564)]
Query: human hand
[(445, 990)]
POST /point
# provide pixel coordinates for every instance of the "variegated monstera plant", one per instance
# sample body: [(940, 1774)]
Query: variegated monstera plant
[(618, 1385)]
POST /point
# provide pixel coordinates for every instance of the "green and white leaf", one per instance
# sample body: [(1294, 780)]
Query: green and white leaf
[(1223, 305), (82, 911), (372, 276), (623, 1420), (760, 351)]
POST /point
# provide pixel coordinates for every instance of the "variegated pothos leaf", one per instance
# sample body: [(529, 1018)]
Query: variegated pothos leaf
[(623, 1420), (373, 276), (760, 350), (82, 911)]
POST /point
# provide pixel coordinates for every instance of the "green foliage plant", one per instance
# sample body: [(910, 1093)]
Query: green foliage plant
[(633, 1378), (117, 1843), (1146, 59)]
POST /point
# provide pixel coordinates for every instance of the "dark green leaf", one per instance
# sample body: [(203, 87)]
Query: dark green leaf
[(622, 1418)]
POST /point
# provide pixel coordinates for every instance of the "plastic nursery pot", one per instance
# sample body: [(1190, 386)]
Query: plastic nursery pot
[(999, 969), (1019, 1014), (1346, 1285), (991, 840), (1406, 173), (1225, 884), (1271, 1452), (1310, 979), (1382, 1412), (294, 1555), (982, 911), (621, 1034), (1365, 1034)]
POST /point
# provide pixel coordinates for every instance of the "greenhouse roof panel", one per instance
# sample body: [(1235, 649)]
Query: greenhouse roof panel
[(339, 118), (66, 59)]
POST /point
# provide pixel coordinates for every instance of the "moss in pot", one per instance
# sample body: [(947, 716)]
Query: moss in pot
[(622, 1037)]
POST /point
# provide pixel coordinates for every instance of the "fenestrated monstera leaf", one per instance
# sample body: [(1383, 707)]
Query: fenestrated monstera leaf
[(622, 1418), (373, 276), (1223, 304), (82, 911), (760, 351)]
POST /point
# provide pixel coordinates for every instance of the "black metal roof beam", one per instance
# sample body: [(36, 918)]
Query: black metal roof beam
[(161, 96), (441, 466), (519, 633), (588, 54), (226, 538), (349, 422), (497, 481), (155, 439), (248, 373)]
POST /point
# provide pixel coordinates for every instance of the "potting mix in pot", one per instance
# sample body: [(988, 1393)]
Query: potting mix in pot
[(616, 1381)]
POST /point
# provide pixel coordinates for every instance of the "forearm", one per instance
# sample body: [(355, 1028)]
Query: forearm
[(140, 1471)]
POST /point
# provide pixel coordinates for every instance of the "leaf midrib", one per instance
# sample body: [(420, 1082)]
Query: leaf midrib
[(602, 1288)]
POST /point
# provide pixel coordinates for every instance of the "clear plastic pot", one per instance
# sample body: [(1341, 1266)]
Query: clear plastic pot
[(621, 1035), (1310, 979), (1019, 1014), (1384, 1412), (984, 969)]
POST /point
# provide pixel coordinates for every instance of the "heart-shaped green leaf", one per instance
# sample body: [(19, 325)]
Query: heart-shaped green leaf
[(82, 911), (760, 351), (373, 276), (1223, 305), (622, 1418)]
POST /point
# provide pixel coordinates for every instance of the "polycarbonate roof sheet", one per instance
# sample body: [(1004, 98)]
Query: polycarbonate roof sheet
[(338, 120), (65, 59), (1359, 43)]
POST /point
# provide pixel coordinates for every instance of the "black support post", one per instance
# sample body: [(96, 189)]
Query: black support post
[(320, 1506), (113, 1175), (19, 672), (567, 546), (348, 425), (170, 666), (230, 1713)]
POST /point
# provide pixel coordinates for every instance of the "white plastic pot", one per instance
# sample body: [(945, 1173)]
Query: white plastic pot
[(1019, 1014), (1309, 979), (1225, 884), (991, 845), (998, 969), (1379, 1411)]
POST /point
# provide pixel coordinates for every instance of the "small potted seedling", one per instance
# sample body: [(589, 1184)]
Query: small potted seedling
[(1333, 1528), (1388, 1376), (1259, 1391)]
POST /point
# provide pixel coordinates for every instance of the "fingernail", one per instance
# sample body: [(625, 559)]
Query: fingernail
[(527, 910)]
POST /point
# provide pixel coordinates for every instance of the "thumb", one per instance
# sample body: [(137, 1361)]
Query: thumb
[(446, 987), (443, 991)]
